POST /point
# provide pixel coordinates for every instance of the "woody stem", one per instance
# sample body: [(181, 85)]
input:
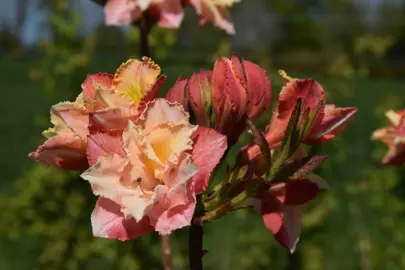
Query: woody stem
[(144, 26), (195, 239), (144, 29), (166, 252)]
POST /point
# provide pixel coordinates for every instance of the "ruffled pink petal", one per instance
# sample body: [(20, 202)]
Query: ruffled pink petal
[(65, 151), (94, 82), (113, 177), (76, 119), (111, 119), (101, 144), (174, 204), (334, 121), (177, 217), (105, 176), (108, 222), (170, 140), (141, 154), (208, 150), (160, 111), (121, 12), (111, 99)]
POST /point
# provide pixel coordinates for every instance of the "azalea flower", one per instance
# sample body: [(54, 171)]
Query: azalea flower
[(169, 13), (394, 137), (122, 95), (147, 179), (329, 122)]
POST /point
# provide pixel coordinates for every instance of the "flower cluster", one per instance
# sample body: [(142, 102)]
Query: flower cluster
[(394, 137), (169, 13), (148, 158)]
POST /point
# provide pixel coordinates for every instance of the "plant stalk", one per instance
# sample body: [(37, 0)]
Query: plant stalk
[(144, 26), (144, 30), (195, 238)]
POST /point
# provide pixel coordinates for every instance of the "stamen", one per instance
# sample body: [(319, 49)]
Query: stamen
[(284, 75), (139, 180)]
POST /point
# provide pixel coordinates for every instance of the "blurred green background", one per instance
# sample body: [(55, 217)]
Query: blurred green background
[(356, 49)]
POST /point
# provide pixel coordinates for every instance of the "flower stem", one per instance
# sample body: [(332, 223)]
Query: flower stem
[(195, 239), (144, 29), (144, 26), (166, 252), (195, 244), (224, 208)]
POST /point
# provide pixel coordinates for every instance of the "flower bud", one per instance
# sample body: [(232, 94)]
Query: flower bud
[(199, 90)]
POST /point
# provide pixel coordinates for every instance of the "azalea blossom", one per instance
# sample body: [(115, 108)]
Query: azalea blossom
[(120, 96), (394, 137), (148, 177), (147, 158), (329, 122), (169, 13), (233, 91)]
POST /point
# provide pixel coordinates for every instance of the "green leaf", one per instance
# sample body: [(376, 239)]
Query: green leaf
[(310, 119), (291, 140)]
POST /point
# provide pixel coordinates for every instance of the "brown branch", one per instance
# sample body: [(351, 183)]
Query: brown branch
[(144, 29), (195, 245)]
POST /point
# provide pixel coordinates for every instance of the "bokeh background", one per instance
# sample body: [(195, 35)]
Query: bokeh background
[(356, 49)]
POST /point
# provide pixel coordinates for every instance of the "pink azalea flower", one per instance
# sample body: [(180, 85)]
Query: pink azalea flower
[(329, 123), (394, 137), (125, 93), (148, 177), (169, 13)]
